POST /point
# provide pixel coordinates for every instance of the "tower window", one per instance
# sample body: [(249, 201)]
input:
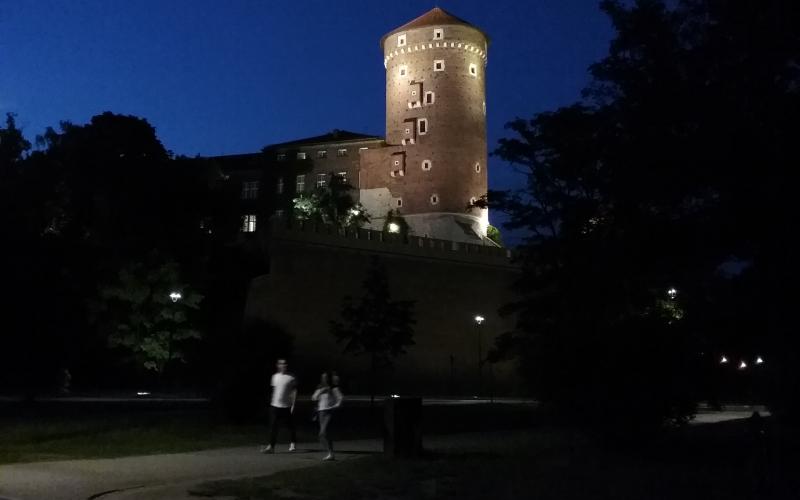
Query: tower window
[(422, 126), (408, 131), (413, 92), (401, 40), (438, 65), (403, 70), (322, 153), (322, 180), (301, 156), (397, 163), (430, 97), (426, 165), (478, 167), (438, 33), (300, 183), (341, 152), (399, 202), (249, 223), (434, 199), (473, 69), (342, 176)]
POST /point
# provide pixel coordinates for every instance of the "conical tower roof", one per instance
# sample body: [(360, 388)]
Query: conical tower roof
[(434, 17)]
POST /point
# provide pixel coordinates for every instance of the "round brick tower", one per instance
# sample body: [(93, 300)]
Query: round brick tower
[(436, 115)]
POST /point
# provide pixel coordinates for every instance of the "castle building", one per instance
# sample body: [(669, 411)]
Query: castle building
[(430, 168)]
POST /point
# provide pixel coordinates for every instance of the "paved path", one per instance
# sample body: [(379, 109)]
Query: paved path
[(156, 476)]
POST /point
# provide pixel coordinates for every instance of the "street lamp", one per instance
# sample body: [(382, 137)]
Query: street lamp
[(672, 293), (759, 360), (723, 360), (175, 296), (742, 365), (478, 321), (394, 227)]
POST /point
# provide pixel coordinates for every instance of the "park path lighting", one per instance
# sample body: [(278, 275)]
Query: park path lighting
[(742, 365), (759, 360), (672, 293), (394, 227), (175, 296), (478, 322), (723, 360)]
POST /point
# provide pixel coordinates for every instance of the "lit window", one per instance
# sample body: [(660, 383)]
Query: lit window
[(362, 149), (477, 167), (426, 165), (438, 33), (473, 69), (301, 156), (279, 186), (408, 131), (401, 40), (249, 223), (403, 70), (322, 153), (438, 65), (300, 184), (322, 180), (413, 92), (430, 97), (341, 152), (399, 202), (422, 126), (434, 199), (250, 190), (281, 156), (342, 176), (397, 163)]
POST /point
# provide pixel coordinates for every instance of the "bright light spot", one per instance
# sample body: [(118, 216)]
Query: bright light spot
[(723, 360), (759, 360), (354, 211), (142, 393), (672, 293), (394, 227), (395, 395), (479, 319), (175, 296), (742, 365)]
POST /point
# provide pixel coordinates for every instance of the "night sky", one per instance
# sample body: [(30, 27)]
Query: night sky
[(222, 77)]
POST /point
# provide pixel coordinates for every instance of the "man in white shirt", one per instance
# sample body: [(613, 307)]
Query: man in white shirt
[(284, 394)]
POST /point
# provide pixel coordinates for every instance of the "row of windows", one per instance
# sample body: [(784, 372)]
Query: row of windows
[(322, 153), (250, 188), (438, 65), (438, 34)]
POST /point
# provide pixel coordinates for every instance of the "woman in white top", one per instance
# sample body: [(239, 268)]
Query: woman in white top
[(328, 398)]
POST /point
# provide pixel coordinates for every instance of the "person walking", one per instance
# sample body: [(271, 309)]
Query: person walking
[(284, 394), (328, 398)]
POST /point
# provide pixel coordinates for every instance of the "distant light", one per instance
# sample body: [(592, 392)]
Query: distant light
[(672, 293), (759, 360), (479, 319), (742, 365), (723, 360), (175, 296), (395, 395), (142, 393), (394, 227)]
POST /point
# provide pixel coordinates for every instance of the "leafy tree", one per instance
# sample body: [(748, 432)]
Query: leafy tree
[(13, 144), (684, 138), (331, 204), (376, 326), (146, 317)]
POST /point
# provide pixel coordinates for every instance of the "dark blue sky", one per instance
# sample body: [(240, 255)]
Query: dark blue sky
[(221, 77)]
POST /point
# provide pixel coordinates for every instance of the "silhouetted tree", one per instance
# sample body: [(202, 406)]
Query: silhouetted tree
[(677, 161), (377, 326)]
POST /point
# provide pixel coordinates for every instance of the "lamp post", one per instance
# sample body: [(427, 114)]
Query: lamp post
[(478, 321), (175, 296)]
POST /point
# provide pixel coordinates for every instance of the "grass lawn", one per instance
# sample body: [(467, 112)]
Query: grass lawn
[(77, 433), (719, 461)]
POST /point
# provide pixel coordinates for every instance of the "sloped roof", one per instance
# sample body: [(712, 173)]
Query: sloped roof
[(333, 136), (434, 17)]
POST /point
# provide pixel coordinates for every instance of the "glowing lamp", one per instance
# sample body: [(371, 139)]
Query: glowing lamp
[(723, 360), (479, 319), (742, 365), (759, 360), (175, 296), (394, 227)]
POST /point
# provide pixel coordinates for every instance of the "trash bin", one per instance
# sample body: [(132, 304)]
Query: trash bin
[(402, 427)]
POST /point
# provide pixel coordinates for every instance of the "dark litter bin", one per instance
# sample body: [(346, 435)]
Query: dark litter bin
[(402, 427)]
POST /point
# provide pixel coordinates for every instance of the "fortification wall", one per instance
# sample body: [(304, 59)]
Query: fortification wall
[(312, 269)]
